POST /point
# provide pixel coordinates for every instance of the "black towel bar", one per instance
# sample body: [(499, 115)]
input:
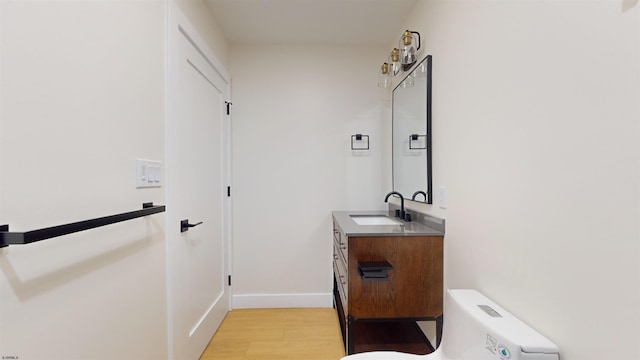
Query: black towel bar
[(21, 238)]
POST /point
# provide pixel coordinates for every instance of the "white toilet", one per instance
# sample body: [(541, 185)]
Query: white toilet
[(475, 328)]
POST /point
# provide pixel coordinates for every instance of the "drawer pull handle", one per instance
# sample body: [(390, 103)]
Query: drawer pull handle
[(374, 270)]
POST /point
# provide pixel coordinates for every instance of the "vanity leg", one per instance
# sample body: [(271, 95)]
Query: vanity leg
[(350, 334), (438, 330)]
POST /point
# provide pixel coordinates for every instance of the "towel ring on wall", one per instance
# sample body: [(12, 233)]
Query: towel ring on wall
[(415, 137), (359, 138)]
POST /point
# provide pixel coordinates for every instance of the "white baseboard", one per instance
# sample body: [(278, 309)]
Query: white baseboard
[(264, 301)]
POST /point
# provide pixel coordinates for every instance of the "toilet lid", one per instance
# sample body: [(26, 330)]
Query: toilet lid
[(388, 355)]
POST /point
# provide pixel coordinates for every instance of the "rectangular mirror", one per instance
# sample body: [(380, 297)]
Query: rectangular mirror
[(411, 108)]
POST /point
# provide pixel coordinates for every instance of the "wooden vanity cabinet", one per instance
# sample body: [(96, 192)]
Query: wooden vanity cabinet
[(412, 291)]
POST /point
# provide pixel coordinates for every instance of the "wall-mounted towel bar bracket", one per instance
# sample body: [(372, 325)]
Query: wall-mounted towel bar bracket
[(21, 238), (3, 229)]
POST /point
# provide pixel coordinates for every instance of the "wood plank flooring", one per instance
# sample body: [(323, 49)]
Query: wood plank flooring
[(273, 334)]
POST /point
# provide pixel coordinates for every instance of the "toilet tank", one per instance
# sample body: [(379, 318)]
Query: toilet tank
[(476, 328)]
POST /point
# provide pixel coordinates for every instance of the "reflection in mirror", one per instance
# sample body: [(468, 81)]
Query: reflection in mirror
[(412, 134)]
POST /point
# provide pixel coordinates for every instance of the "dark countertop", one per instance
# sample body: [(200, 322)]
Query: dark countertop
[(412, 228)]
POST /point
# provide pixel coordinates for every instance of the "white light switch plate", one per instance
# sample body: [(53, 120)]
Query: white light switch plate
[(442, 197), (148, 173)]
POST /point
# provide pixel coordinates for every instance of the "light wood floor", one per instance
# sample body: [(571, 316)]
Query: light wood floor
[(273, 334)]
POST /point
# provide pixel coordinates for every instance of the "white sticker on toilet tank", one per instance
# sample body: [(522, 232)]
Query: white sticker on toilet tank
[(491, 344)]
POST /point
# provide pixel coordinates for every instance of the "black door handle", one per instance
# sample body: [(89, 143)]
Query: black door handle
[(184, 225)]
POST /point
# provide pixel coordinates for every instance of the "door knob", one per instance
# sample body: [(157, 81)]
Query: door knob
[(184, 225)]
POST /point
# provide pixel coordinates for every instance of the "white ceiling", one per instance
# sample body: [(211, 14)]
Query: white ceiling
[(311, 22)]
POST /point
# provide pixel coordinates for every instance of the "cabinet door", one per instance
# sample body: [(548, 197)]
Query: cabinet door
[(414, 287)]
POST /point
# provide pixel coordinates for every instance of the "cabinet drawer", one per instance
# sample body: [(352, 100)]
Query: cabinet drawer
[(340, 242), (340, 271), (336, 233), (342, 283)]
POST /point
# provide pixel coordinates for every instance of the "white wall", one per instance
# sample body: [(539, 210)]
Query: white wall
[(536, 110), (294, 111), (82, 96), (201, 18)]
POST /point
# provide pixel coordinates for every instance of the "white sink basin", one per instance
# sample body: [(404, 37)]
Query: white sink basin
[(374, 220)]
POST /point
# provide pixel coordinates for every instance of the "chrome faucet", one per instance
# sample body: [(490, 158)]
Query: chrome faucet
[(386, 199), (418, 193)]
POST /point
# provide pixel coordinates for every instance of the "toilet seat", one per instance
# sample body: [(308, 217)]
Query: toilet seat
[(385, 355), (393, 355)]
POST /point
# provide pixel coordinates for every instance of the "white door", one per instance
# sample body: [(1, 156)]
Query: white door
[(197, 179)]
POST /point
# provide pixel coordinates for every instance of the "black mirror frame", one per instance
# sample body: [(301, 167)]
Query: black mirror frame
[(429, 62)]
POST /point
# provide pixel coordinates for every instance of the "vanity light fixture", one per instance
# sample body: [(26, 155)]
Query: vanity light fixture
[(394, 62), (408, 49), (408, 82), (420, 70), (383, 77), (401, 59)]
